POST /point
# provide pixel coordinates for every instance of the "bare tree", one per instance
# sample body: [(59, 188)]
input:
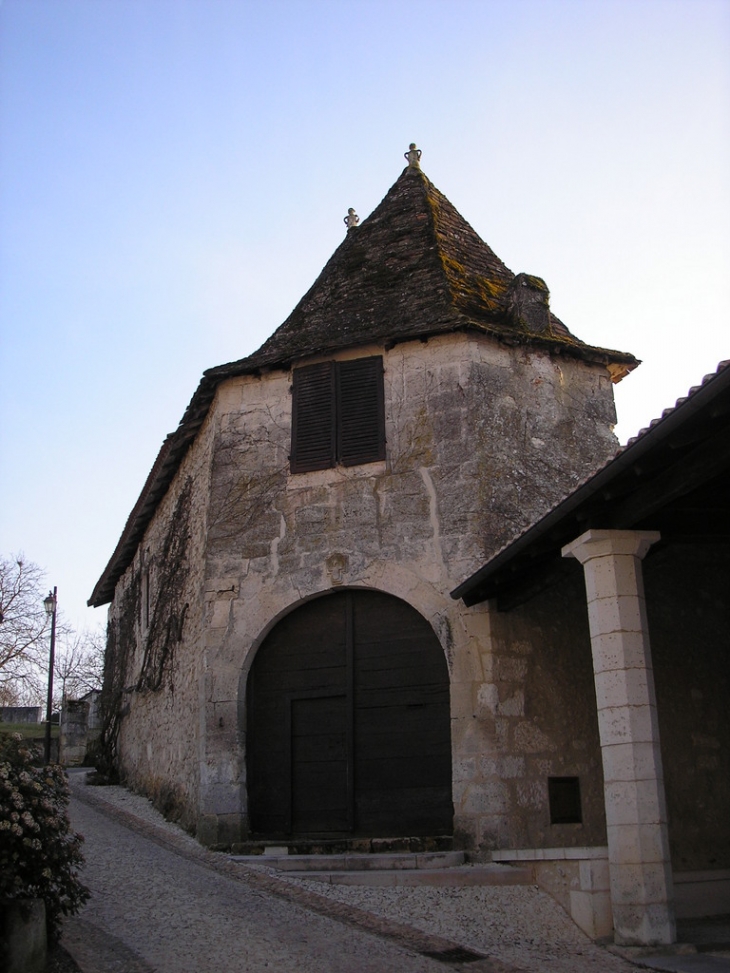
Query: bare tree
[(23, 623), (79, 665)]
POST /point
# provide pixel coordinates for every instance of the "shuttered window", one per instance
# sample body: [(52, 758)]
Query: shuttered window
[(313, 421), (338, 414)]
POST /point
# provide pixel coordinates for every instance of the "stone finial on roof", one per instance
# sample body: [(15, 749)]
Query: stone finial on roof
[(413, 155), (352, 219)]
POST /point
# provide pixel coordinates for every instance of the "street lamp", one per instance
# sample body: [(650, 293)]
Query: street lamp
[(49, 604)]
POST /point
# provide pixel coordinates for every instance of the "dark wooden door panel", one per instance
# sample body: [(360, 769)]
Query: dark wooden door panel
[(427, 812), (319, 798), (349, 706), (303, 654), (375, 621), (416, 743), (402, 728), (391, 772)]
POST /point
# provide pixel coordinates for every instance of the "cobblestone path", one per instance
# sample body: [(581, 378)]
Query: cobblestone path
[(154, 908), (162, 904)]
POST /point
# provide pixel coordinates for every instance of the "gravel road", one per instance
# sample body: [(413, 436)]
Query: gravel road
[(162, 903)]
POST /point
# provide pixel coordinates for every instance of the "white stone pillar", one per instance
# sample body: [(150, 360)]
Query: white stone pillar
[(642, 895)]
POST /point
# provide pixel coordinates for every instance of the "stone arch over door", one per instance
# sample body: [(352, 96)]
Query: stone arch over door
[(348, 722)]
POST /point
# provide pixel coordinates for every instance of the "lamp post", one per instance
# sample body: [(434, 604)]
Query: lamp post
[(49, 604)]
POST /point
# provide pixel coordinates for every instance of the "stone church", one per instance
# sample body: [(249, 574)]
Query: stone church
[(285, 660)]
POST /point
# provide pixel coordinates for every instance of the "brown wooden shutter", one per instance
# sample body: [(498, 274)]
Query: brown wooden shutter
[(361, 416), (313, 418), (338, 414)]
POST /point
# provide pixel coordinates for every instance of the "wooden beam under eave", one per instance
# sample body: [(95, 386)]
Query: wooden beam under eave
[(689, 472)]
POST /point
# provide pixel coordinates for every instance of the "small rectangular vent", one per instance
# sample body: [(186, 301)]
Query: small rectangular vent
[(564, 799)]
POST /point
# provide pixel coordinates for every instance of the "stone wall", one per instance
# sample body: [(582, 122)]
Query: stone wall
[(79, 729), (540, 706), (21, 714), (481, 439), (162, 654), (73, 732)]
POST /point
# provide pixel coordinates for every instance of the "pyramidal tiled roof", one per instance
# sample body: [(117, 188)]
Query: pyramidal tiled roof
[(414, 268)]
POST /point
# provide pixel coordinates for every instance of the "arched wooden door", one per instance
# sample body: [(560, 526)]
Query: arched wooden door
[(349, 722)]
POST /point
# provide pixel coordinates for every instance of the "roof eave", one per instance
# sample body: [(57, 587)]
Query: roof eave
[(177, 443)]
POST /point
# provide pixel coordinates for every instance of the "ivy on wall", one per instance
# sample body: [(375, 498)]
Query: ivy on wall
[(170, 608), (243, 489), (164, 632), (120, 646)]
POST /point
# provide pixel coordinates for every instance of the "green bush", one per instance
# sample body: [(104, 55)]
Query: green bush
[(39, 854)]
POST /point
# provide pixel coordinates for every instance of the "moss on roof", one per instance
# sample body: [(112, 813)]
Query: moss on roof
[(413, 268)]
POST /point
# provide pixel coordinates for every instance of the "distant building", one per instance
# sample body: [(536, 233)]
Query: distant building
[(20, 714), (80, 728)]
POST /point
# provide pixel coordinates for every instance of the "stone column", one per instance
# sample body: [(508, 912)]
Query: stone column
[(642, 894)]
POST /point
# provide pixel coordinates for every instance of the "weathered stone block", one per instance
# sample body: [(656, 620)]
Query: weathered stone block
[(620, 575), (631, 761), (623, 613), (626, 724), (220, 830), (620, 650), (485, 798), (635, 802), (638, 844), (643, 925), (591, 911), (513, 705), (464, 769), (508, 669), (594, 875), (529, 738), (625, 687)]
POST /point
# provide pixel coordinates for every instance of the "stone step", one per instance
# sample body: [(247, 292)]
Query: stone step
[(457, 877), (278, 858), (445, 869), (344, 846)]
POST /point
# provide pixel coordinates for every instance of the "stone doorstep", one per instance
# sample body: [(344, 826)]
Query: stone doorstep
[(446, 869), (345, 846), (355, 861), (457, 877)]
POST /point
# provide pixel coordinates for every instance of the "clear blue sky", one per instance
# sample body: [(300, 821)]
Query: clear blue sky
[(175, 174)]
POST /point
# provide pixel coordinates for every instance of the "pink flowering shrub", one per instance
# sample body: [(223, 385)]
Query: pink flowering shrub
[(39, 854)]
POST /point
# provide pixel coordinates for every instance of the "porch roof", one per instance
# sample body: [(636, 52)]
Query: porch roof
[(673, 477)]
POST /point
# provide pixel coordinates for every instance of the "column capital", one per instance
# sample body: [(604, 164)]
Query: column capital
[(605, 543)]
